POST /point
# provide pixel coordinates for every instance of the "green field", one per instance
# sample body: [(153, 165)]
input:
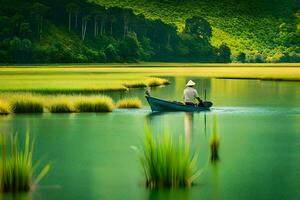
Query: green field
[(98, 78)]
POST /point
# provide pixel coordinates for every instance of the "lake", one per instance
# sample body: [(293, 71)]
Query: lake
[(92, 155)]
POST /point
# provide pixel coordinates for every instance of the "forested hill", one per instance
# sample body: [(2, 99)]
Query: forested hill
[(266, 30), (73, 31)]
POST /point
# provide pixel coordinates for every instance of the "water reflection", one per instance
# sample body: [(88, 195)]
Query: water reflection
[(214, 142), (17, 196), (163, 194), (188, 126)]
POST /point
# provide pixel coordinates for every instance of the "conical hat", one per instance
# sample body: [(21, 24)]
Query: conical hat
[(190, 83)]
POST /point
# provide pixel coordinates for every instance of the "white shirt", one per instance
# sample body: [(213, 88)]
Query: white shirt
[(190, 94)]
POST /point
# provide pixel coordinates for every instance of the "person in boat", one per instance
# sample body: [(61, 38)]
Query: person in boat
[(190, 94)]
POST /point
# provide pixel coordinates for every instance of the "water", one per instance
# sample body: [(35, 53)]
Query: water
[(92, 155)]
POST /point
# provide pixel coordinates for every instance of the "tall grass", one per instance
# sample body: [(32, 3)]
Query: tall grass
[(61, 107), (5, 108), (16, 166), (27, 106), (129, 103), (135, 85), (153, 82), (100, 104), (167, 162)]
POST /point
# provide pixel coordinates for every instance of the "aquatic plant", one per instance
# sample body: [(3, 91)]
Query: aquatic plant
[(4, 108), (153, 82), (16, 166), (215, 141), (100, 104), (61, 107), (167, 162), (129, 103), (27, 106)]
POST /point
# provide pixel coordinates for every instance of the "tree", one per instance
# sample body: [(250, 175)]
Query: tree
[(224, 53), (72, 7), (241, 57), (129, 48), (39, 10), (199, 27), (85, 20), (111, 53)]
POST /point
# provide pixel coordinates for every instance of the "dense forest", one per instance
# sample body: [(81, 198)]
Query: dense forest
[(77, 31)]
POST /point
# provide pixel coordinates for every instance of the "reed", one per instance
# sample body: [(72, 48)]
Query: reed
[(99, 104), (16, 166), (61, 107), (27, 106), (167, 162), (5, 108), (154, 82), (129, 103)]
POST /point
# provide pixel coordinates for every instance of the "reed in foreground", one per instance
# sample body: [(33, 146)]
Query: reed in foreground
[(129, 103), (167, 162), (4, 108), (99, 104), (16, 166), (61, 107)]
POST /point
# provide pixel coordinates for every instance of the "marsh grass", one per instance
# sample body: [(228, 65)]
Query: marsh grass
[(5, 108), (154, 82), (135, 85), (167, 162), (27, 106), (129, 103), (16, 166), (61, 108), (99, 104)]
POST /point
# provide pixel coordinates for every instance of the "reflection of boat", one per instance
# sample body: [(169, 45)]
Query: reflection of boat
[(161, 105)]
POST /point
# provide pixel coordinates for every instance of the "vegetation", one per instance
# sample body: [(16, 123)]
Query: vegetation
[(61, 107), (167, 162), (78, 31), (35, 103), (4, 108), (16, 166), (153, 82), (27, 106), (129, 103), (265, 31), (100, 104)]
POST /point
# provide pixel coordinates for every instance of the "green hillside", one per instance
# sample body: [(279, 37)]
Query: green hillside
[(266, 28)]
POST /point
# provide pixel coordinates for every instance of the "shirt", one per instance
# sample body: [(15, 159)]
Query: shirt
[(190, 94)]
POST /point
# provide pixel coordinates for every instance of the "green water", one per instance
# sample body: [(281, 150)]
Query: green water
[(92, 156)]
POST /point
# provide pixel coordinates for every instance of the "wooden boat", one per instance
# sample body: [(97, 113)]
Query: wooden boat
[(160, 105)]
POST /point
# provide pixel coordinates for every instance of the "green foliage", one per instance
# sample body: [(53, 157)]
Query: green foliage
[(168, 162), (224, 53), (199, 27), (61, 107), (16, 165), (101, 104), (129, 103)]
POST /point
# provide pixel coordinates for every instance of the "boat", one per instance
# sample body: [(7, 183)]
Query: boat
[(160, 105)]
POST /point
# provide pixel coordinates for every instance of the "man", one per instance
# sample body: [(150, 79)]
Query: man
[(190, 94)]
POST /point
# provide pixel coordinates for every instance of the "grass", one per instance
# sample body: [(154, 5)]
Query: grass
[(100, 104), (167, 162), (129, 103), (136, 85), (37, 103), (61, 107), (27, 106), (16, 166), (153, 82), (5, 108)]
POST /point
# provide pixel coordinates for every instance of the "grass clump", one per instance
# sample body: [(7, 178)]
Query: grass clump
[(16, 166), (98, 104), (135, 85), (153, 82), (61, 107), (129, 103), (27, 106), (5, 108), (168, 163)]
